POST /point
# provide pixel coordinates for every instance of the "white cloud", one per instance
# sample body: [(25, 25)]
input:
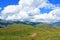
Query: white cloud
[(0, 17), (32, 3), (11, 9), (30, 10), (53, 16)]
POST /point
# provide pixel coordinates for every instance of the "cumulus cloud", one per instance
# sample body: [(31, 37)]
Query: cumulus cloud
[(29, 10), (32, 3), (0, 17), (55, 14)]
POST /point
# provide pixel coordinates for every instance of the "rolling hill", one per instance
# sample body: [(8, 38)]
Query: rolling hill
[(17, 30), (28, 32)]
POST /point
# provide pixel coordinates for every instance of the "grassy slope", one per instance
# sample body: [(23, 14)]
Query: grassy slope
[(26, 32)]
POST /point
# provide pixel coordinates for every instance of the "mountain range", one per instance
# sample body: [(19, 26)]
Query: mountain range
[(5, 23)]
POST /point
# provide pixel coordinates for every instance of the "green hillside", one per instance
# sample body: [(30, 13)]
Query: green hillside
[(27, 32)]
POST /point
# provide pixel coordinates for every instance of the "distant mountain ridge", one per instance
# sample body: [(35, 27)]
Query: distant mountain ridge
[(5, 23), (56, 23)]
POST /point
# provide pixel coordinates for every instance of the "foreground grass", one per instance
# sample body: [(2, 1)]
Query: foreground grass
[(26, 32)]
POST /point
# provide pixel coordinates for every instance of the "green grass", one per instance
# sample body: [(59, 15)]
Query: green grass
[(26, 32)]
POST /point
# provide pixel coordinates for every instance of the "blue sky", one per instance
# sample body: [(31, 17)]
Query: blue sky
[(4, 3), (47, 10), (55, 2)]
